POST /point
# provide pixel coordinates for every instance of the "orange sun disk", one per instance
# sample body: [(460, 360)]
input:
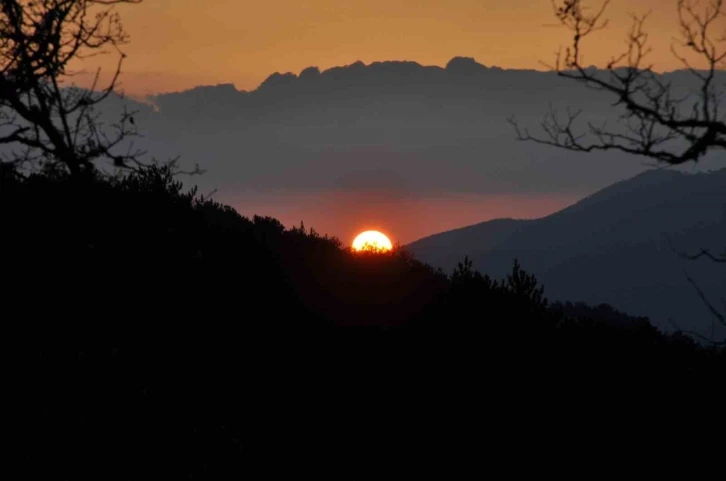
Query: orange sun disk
[(372, 240)]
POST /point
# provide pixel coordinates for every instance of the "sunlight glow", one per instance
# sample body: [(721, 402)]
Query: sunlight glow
[(372, 240)]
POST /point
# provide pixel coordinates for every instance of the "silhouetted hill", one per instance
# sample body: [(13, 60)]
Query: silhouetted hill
[(155, 334), (444, 249), (612, 247)]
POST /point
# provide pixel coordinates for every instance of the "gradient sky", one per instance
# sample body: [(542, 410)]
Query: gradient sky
[(177, 44), (404, 218)]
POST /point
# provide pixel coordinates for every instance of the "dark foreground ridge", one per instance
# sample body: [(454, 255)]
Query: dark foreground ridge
[(151, 328)]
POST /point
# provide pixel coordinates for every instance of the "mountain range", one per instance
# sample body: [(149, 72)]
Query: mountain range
[(323, 146), (389, 144), (402, 147), (621, 246)]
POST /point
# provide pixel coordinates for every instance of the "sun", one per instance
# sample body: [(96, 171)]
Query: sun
[(372, 240)]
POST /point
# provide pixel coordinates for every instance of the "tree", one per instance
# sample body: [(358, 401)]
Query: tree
[(47, 123), (525, 286), (656, 121)]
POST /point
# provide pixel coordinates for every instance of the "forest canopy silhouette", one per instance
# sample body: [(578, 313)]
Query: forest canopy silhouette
[(133, 288), (80, 243)]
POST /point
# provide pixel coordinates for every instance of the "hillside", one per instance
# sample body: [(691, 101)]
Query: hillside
[(143, 316), (612, 247)]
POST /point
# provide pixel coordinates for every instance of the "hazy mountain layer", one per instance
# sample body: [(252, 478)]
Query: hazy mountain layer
[(380, 143), (613, 247), (392, 131)]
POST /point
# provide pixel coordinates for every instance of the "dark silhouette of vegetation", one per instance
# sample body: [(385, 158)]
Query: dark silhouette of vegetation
[(149, 321)]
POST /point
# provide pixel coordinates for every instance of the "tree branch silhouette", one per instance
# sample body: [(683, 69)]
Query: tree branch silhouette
[(56, 125), (707, 254), (655, 120)]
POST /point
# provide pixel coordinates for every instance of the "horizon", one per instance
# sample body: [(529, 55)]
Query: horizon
[(354, 170), (396, 141), (218, 43), (350, 171), (369, 64)]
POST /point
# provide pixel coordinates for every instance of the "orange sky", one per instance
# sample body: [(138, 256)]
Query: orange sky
[(177, 44), (403, 218)]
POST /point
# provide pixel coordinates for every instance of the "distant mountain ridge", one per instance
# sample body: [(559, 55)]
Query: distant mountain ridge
[(440, 129), (458, 67), (612, 247), (352, 83), (415, 133)]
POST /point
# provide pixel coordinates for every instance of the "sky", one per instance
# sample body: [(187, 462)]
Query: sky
[(403, 218), (178, 44)]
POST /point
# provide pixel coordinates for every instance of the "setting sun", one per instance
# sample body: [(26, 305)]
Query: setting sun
[(372, 240)]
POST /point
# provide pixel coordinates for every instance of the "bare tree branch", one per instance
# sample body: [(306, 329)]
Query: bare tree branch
[(56, 123), (696, 334), (716, 314), (654, 121), (707, 254)]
